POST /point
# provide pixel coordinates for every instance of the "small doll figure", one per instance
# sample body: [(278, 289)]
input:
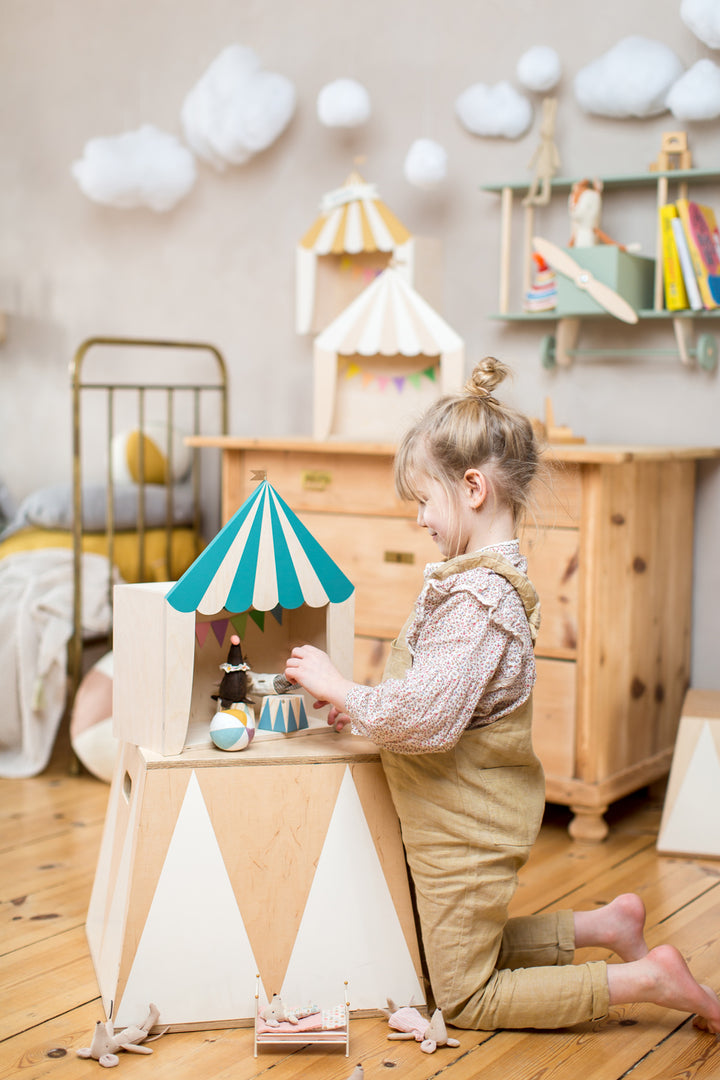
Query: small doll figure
[(233, 726), (233, 688)]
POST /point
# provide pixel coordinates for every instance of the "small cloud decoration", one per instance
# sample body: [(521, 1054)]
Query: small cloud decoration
[(497, 110), (696, 94), (147, 167), (236, 109), (425, 164), (703, 18), (630, 80), (539, 69), (344, 103)]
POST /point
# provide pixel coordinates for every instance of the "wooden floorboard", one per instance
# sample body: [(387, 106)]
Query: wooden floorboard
[(49, 840)]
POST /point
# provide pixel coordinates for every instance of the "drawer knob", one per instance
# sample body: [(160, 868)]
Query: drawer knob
[(315, 480), (407, 557)]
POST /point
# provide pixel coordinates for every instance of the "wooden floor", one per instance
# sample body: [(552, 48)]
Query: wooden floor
[(51, 828)]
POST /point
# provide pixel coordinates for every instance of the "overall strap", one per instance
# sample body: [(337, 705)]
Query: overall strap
[(499, 565)]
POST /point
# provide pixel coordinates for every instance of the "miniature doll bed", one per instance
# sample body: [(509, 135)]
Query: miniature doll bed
[(132, 513), (308, 1027)]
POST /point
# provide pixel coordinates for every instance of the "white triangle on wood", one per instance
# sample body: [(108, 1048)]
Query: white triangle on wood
[(350, 929), (194, 959), (693, 823)]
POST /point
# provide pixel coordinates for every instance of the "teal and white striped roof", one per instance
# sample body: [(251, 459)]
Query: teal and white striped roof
[(263, 558)]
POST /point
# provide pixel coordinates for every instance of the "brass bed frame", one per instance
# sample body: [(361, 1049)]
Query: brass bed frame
[(198, 391)]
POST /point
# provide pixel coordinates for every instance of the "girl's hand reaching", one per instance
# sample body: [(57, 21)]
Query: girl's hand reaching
[(315, 672), (335, 718)]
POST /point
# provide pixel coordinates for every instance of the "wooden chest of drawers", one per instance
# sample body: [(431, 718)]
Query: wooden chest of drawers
[(610, 552)]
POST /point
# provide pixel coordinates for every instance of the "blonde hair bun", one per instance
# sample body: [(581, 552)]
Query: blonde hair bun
[(486, 375)]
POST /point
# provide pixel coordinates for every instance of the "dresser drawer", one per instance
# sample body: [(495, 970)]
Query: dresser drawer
[(384, 558), (553, 568), (557, 498), (329, 483), (554, 702), (370, 657)]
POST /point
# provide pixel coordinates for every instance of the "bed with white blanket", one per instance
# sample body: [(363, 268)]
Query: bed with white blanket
[(132, 512)]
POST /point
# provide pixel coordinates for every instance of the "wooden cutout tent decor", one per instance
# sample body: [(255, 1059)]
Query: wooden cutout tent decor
[(690, 823), (388, 338), (284, 860), (263, 576), (352, 241)]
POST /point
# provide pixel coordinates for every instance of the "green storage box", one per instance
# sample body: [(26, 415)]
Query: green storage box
[(632, 276)]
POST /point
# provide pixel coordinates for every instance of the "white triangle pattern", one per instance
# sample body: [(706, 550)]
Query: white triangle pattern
[(350, 929), (194, 958), (693, 825)]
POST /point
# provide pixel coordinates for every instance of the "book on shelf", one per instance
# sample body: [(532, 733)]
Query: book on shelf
[(688, 273), (676, 297), (703, 241)]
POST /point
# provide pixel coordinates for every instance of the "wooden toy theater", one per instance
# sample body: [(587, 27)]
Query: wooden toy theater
[(280, 866)]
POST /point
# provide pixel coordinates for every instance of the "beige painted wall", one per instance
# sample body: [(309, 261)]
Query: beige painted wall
[(220, 266)]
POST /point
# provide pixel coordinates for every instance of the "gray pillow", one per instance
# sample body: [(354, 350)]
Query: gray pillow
[(52, 507)]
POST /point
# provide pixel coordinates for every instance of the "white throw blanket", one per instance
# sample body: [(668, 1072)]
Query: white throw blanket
[(36, 606)]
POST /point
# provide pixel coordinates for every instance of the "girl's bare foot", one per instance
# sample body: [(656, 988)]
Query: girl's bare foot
[(663, 978), (618, 925)]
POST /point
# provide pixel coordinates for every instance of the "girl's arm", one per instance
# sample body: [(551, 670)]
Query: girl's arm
[(314, 670), (457, 654)]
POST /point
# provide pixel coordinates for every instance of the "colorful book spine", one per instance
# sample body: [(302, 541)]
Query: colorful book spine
[(705, 260), (676, 298), (691, 285)]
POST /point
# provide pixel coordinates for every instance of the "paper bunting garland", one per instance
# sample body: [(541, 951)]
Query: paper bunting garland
[(367, 273), (368, 377), (238, 623)]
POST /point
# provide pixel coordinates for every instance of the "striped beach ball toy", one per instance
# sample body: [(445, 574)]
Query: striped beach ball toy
[(233, 729)]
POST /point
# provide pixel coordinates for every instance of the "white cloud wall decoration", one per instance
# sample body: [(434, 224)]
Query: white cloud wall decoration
[(630, 80), (497, 110), (344, 103), (425, 164), (703, 18), (539, 69), (696, 94), (236, 109), (147, 167)]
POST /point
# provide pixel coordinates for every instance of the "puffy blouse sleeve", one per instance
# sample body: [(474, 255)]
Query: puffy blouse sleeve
[(470, 643)]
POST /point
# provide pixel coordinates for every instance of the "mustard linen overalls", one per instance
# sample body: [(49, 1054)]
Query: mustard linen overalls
[(469, 817)]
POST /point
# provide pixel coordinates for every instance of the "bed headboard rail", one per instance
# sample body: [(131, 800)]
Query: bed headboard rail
[(191, 392)]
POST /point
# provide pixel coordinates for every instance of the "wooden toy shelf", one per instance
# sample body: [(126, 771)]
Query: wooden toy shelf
[(561, 348)]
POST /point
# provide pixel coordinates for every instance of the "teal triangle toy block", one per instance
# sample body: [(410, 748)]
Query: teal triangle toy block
[(265, 723)]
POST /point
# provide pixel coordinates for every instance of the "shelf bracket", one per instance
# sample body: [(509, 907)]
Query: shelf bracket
[(568, 332), (684, 335)]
